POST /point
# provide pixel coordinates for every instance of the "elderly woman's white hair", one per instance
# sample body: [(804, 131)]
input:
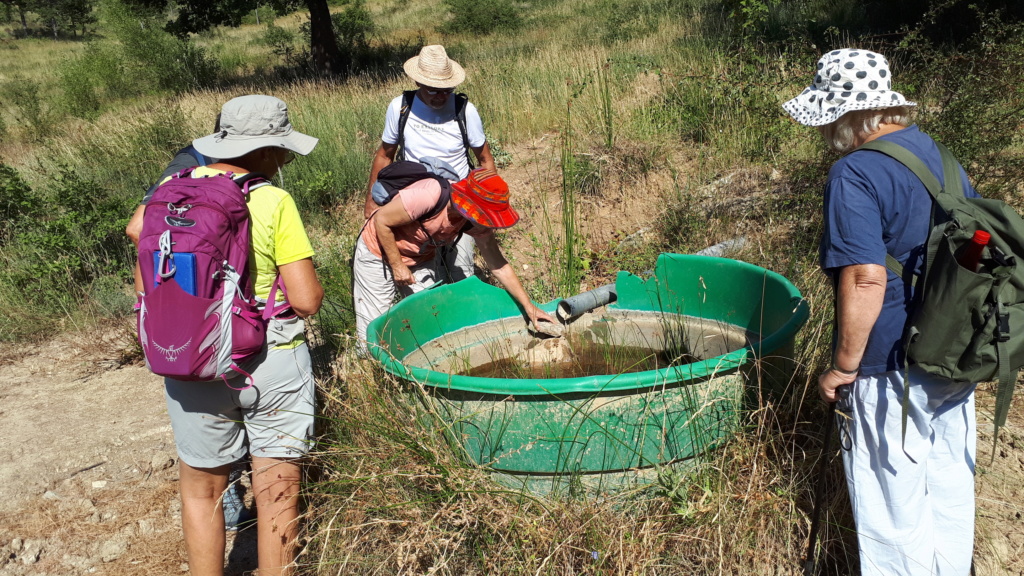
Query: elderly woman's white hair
[(843, 134)]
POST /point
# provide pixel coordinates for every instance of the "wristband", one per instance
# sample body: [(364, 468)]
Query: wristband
[(835, 368)]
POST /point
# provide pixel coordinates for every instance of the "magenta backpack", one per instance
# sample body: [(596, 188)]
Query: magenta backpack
[(198, 317)]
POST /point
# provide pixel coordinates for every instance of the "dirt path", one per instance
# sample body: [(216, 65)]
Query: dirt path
[(88, 475)]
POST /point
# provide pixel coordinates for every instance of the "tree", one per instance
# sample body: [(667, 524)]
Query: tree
[(72, 15), (199, 15), (21, 8)]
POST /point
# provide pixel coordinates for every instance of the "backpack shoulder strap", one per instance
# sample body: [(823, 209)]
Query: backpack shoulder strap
[(250, 181), (201, 159), (443, 200), (915, 165), (403, 117), (908, 159), (460, 117), (950, 172)]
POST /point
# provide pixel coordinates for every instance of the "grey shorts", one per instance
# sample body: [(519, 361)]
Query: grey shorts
[(215, 425)]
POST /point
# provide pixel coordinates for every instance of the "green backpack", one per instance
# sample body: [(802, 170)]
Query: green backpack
[(964, 325)]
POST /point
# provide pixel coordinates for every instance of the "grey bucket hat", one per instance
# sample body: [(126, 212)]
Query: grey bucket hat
[(251, 122), (845, 80)]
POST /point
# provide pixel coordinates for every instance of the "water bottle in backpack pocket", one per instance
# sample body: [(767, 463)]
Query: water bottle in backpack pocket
[(950, 333)]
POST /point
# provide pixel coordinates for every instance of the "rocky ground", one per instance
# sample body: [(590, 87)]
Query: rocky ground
[(88, 469)]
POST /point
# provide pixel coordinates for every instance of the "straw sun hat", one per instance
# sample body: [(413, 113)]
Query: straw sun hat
[(483, 198), (434, 68), (845, 80), (252, 122)]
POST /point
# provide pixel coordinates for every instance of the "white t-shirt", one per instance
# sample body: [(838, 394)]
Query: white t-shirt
[(436, 133)]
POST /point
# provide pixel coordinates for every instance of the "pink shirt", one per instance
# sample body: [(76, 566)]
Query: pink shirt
[(418, 240)]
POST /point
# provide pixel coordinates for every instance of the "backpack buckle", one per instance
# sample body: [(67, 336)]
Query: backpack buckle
[(1003, 332)]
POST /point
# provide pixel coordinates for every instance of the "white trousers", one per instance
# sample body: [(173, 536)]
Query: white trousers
[(913, 502), (460, 259), (374, 290)]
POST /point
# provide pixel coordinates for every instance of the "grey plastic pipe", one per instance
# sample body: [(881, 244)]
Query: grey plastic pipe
[(578, 305), (722, 247), (575, 306)]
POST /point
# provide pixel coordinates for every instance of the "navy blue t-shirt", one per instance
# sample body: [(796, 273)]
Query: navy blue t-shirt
[(874, 205)]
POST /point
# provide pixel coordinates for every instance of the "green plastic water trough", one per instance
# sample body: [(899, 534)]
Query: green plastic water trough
[(727, 326)]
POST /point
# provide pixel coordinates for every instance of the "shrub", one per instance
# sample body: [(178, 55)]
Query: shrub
[(352, 26), (17, 202), (978, 86), (28, 107), (98, 75), (79, 238), (481, 17), (140, 58)]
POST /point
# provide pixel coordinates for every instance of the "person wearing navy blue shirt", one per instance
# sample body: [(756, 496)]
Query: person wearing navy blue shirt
[(912, 497)]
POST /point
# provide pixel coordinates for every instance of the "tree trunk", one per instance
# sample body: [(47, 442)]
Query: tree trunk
[(323, 46), (24, 24), (53, 24)]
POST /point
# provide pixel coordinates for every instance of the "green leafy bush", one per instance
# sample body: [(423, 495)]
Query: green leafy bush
[(17, 202), (979, 87), (25, 102), (141, 57), (77, 239), (481, 16), (352, 26)]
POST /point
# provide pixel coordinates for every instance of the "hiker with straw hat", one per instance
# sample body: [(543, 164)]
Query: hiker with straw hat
[(434, 121), (398, 248), (912, 496)]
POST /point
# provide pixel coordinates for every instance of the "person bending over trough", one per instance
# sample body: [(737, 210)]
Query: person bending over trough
[(397, 250)]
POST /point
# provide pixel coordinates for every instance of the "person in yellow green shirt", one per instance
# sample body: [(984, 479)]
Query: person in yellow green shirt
[(214, 426)]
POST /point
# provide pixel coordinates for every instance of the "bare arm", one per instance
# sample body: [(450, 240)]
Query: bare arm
[(134, 228), (484, 159), (503, 271), (859, 298), (304, 291), (390, 216), (385, 155), (134, 231)]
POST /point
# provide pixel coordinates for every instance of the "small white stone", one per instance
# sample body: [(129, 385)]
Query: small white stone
[(112, 549), (98, 484)]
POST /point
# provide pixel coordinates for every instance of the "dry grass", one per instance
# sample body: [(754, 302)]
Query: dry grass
[(395, 499)]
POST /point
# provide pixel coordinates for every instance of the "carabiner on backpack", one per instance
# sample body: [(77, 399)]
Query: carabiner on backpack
[(166, 257)]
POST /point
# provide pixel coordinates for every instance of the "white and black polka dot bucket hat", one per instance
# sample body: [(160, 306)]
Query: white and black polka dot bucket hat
[(846, 79)]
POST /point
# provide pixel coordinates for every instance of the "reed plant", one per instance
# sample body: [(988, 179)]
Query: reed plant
[(570, 269)]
